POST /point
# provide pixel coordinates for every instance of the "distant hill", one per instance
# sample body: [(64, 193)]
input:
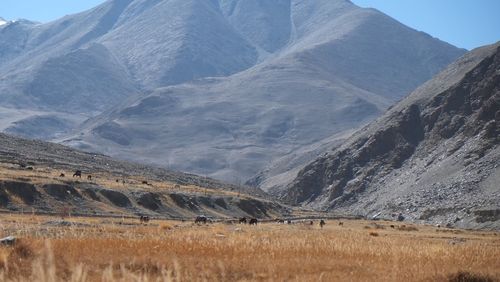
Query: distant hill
[(433, 157), (31, 180)]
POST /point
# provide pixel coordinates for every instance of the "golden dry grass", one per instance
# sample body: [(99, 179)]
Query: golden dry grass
[(123, 250)]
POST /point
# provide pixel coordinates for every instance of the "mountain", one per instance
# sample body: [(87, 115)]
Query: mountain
[(222, 88), (433, 157), (88, 62)]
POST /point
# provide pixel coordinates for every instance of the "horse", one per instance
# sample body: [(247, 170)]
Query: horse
[(322, 223), (243, 220), (201, 219), (77, 173), (144, 219), (253, 221)]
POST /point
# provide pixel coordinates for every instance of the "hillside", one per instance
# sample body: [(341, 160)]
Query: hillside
[(31, 181), (433, 157)]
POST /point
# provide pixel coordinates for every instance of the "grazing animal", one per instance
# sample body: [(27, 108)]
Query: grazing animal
[(253, 221), (30, 168), (144, 219), (117, 180), (77, 173), (89, 177), (311, 222), (289, 222), (144, 182), (62, 175), (341, 223), (201, 219), (392, 226), (401, 217), (322, 223), (243, 220)]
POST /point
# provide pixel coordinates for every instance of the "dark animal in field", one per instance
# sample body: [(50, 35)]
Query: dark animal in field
[(22, 165), (322, 223), (201, 219), (117, 180), (144, 219), (392, 226), (77, 173), (89, 177), (243, 220), (311, 222), (289, 222), (145, 182), (341, 223), (401, 217), (30, 168), (253, 221), (62, 175)]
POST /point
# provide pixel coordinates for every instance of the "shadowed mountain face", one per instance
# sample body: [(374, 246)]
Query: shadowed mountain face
[(434, 156), (221, 87)]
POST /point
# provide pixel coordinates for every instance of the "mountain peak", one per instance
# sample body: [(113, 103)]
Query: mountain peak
[(2, 21)]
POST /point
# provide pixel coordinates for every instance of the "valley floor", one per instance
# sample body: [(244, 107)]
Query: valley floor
[(114, 249)]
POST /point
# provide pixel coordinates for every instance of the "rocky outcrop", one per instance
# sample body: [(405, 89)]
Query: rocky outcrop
[(422, 150)]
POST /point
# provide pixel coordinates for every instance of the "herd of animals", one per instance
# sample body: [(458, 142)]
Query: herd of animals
[(201, 219), (253, 221)]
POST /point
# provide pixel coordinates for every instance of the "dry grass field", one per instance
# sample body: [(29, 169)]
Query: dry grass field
[(105, 249)]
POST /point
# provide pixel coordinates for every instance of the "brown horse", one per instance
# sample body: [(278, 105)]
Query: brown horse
[(144, 219), (322, 223)]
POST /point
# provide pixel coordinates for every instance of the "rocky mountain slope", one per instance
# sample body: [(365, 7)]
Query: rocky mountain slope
[(433, 157), (31, 180), (303, 71)]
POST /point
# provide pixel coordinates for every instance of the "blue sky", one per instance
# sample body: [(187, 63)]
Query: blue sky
[(464, 23), (43, 10)]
